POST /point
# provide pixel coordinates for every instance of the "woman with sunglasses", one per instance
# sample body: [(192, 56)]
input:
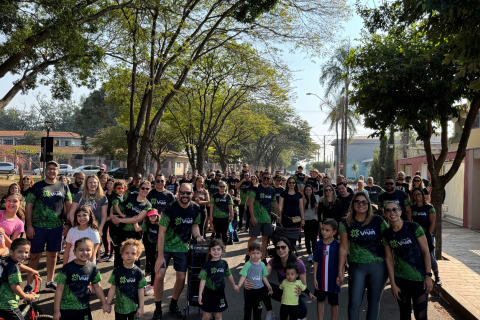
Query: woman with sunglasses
[(25, 182), (408, 262), (283, 256), (221, 212), (284, 182), (135, 208), (110, 194), (424, 214), (417, 182), (291, 207), (202, 198), (361, 239)]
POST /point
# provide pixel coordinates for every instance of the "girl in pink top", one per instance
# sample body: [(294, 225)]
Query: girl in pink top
[(11, 225)]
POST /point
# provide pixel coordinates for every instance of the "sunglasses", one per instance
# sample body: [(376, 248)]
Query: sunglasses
[(185, 193), (389, 183), (364, 202), (145, 188), (138, 178), (160, 181), (218, 175), (394, 210), (281, 247), (222, 187), (328, 190), (284, 180), (266, 178), (26, 178), (417, 181), (292, 182), (120, 188), (417, 195), (278, 180)]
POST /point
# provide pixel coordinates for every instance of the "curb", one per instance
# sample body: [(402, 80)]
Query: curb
[(463, 307)]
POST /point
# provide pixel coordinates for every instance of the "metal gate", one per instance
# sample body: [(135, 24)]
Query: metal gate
[(454, 193)]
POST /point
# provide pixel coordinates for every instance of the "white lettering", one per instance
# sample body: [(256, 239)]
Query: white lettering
[(188, 220), (367, 232), (131, 280), (267, 196), (56, 193), (220, 270), (404, 242), (84, 278), (256, 278)]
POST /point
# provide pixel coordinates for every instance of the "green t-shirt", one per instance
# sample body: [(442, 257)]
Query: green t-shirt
[(365, 241), (131, 207), (127, 282), (76, 279), (408, 257), (244, 190), (220, 205), (179, 222), (214, 274), (289, 296), (48, 200), (10, 274), (264, 197)]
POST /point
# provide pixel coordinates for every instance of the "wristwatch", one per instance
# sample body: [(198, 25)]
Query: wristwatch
[(428, 274)]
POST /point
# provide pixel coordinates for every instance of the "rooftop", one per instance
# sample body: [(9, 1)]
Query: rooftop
[(52, 133)]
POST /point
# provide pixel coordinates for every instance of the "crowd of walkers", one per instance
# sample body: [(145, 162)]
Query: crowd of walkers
[(371, 233)]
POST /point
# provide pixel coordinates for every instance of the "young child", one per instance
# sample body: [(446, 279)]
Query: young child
[(233, 236), (72, 297), (150, 238), (10, 279), (255, 271), (85, 226), (325, 269), (120, 189), (128, 283), (289, 305), (212, 283)]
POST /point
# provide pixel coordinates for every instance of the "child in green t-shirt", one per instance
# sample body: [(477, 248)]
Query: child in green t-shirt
[(289, 305), (10, 279), (72, 297), (128, 283)]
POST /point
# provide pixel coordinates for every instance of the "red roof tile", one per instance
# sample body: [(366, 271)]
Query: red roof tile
[(52, 133)]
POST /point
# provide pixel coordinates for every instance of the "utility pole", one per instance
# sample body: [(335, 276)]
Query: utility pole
[(324, 164)]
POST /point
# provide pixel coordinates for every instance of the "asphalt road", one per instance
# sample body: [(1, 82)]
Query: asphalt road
[(235, 259)]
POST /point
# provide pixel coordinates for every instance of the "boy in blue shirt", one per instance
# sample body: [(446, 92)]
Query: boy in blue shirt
[(326, 268)]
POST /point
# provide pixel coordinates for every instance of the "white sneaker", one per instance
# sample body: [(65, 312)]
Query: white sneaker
[(270, 316)]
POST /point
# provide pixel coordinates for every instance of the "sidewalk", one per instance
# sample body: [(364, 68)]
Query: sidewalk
[(460, 274)]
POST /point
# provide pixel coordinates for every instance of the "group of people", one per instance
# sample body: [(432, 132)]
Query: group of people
[(150, 214)]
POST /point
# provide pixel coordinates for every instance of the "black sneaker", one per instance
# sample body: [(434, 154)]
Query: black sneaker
[(28, 289), (51, 286), (230, 243), (157, 315), (346, 269), (247, 258), (176, 311), (438, 281), (236, 240)]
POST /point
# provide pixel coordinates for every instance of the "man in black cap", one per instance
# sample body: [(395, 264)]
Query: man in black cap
[(212, 184)]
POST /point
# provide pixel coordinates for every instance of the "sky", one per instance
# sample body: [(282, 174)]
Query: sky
[(306, 74)]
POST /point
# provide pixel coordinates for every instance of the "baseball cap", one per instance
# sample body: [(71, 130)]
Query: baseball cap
[(152, 213), (218, 172), (52, 162), (103, 166)]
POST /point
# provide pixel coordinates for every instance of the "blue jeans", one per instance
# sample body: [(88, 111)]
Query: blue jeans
[(233, 235)]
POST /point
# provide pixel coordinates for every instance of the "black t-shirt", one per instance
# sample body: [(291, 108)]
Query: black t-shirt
[(345, 204), (127, 282), (160, 199), (231, 185), (291, 204), (374, 192), (215, 272), (313, 182), (278, 192), (299, 177), (25, 193), (349, 190), (421, 215), (173, 187), (150, 233), (212, 186), (133, 189), (244, 189), (131, 207), (332, 211), (399, 197), (221, 203), (76, 278), (405, 187)]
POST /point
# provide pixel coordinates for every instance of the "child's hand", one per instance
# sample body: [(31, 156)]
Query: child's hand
[(200, 300), (30, 297), (270, 290), (340, 281), (140, 312), (315, 282), (312, 296), (57, 315), (237, 289), (34, 273), (107, 308)]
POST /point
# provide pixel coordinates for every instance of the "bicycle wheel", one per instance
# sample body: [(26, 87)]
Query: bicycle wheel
[(38, 314)]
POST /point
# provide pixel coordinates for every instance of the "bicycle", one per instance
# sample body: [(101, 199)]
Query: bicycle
[(30, 310)]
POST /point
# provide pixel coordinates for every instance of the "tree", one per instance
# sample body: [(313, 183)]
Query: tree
[(111, 143), (162, 42), (400, 79), (62, 34), (62, 154), (167, 139), (320, 166), (354, 168), (33, 138), (335, 74)]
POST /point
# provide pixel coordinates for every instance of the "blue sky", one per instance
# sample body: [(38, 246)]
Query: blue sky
[(305, 80)]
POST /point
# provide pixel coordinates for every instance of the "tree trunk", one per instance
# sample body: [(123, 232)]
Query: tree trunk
[(342, 141), (436, 198), (200, 159), (345, 144), (336, 150)]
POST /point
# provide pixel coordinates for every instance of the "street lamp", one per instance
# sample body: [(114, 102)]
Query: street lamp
[(48, 125)]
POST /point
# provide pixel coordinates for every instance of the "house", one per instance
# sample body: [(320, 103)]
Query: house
[(61, 139), (461, 201)]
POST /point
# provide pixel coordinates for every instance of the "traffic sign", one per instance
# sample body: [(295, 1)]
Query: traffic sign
[(341, 166)]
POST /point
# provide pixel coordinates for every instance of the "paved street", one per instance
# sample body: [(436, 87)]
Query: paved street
[(234, 257)]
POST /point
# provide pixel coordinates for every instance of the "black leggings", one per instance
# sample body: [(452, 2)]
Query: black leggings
[(371, 276), (203, 219), (150, 258), (253, 302), (221, 229), (311, 234), (277, 296), (288, 312), (412, 291)]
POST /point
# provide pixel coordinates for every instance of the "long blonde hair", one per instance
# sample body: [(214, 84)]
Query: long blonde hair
[(86, 193), (325, 199), (351, 210)]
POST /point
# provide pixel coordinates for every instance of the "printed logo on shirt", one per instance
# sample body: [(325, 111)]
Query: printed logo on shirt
[(137, 210), (222, 303), (213, 270), (404, 242), (367, 232), (124, 280), (76, 277), (393, 244), (355, 233), (46, 193), (423, 214), (129, 206)]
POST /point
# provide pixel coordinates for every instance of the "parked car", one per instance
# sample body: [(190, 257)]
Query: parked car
[(7, 167), (61, 171), (87, 170), (118, 173)]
